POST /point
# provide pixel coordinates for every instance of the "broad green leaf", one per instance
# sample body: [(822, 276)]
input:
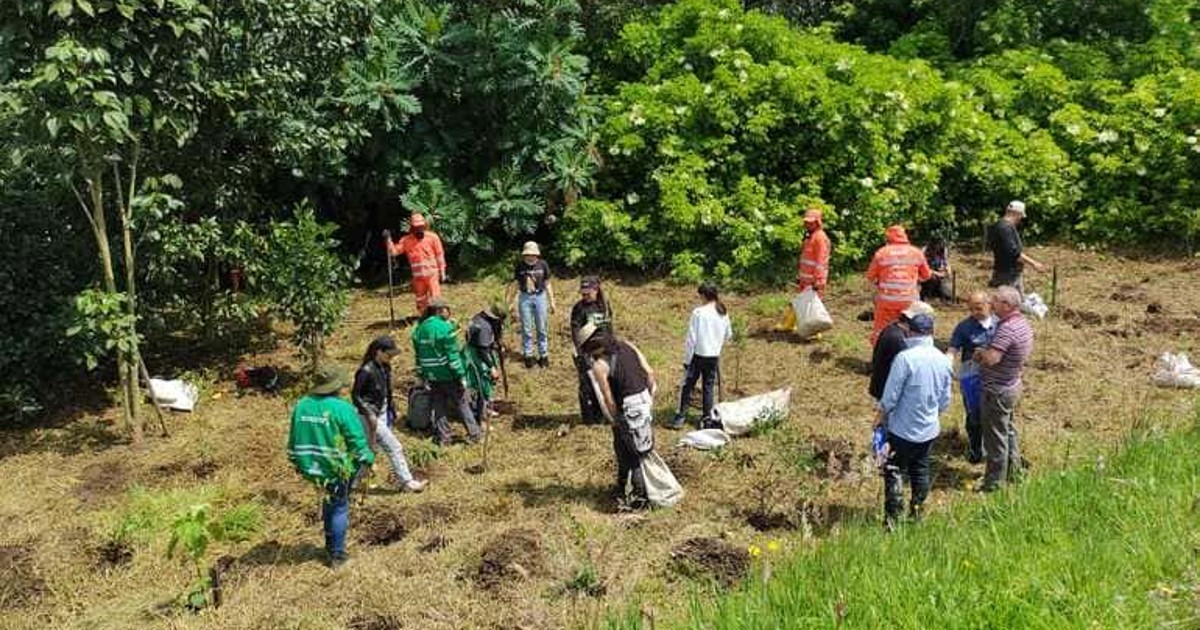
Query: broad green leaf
[(62, 8)]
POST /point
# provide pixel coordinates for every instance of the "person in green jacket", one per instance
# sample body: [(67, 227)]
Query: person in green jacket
[(440, 363), (327, 446), (482, 355)]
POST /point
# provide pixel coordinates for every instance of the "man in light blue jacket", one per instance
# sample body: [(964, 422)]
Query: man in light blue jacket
[(917, 392)]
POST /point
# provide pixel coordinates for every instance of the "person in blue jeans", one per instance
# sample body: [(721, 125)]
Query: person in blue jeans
[(327, 446), (534, 298), (707, 333), (975, 331)]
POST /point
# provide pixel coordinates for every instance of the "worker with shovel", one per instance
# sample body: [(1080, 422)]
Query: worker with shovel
[(426, 258), (482, 356)]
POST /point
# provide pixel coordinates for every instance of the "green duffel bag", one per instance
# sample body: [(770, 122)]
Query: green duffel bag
[(420, 408)]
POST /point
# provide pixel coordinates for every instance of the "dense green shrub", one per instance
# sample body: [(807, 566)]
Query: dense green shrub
[(737, 121)]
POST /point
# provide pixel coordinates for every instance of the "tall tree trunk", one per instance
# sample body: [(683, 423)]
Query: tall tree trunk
[(99, 218), (133, 392)]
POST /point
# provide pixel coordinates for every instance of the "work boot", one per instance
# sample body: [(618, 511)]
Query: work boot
[(528, 363), (414, 486), (338, 560), (544, 362), (677, 423)]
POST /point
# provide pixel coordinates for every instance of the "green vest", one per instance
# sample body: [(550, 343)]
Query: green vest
[(439, 357), (326, 443)]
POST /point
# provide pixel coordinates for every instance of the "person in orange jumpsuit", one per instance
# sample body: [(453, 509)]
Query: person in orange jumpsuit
[(896, 271), (426, 258), (813, 270)]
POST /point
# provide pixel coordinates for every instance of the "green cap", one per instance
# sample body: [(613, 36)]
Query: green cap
[(330, 379)]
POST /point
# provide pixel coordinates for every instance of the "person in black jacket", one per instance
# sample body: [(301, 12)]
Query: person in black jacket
[(372, 398), (482, 356), (592, 309), (1008, 250), (892, 341)]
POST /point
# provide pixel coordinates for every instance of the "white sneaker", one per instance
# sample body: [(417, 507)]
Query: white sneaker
[(414, 486)]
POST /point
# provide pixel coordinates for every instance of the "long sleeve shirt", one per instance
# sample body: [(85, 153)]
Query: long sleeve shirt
[(707, 333), (425, 255), (917, 391)]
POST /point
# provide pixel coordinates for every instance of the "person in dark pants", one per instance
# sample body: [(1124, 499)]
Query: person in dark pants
[(440, 363), (937, 287), (626, 387), (1001, 365), (707, 333), (592, 308), (973, 332), (917, 391), (892, 340), (1008, 251), (482, 357)]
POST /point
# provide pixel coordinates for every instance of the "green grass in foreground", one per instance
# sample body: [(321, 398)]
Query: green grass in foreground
[(1110, 545)]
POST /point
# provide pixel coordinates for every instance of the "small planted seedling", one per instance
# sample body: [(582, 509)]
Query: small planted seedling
[(195, 531)]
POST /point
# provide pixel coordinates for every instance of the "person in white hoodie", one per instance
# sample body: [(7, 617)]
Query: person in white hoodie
[(707, 333)]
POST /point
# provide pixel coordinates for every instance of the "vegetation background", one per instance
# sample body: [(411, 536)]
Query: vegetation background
[(211, 146)]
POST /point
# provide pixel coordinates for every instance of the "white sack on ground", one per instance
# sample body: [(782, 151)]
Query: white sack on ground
[(811, 315), (662, 489), (1174, 370), (176, 394), (737, 416), (705, 439), (1034, 305)]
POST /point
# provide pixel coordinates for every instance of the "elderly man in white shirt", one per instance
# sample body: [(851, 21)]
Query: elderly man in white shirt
[(707, 333)]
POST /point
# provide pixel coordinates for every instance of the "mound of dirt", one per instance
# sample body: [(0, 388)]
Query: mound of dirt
[(204, 468), (374, 621), (714, 558), (20, 582), (819, 356), (834, 457), (510, 557), (381, 527), (100, 481)]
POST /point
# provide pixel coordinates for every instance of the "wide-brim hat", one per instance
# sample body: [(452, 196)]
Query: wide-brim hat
[(531, 249), (497, 310), (329, 380)]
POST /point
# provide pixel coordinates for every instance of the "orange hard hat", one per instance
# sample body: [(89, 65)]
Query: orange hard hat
[(417, 220)]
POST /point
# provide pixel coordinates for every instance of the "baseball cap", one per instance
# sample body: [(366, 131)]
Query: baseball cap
[(921, 324), (915, 309), (1016, 206)]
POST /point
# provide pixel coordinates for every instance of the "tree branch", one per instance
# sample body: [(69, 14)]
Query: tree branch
[(84, 207)]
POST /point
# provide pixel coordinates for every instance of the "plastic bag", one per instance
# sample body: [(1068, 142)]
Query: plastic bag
[(737, 416), (1174, 370), (178, 395), (662, 489), (705, 439), (1034, 305), (811, 316)]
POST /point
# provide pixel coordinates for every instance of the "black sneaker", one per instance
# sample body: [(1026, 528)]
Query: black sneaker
[(338, 560), (544, 362), (528, 363)]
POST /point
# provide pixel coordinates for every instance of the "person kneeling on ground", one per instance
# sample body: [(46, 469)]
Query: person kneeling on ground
[(372, 396), (440, 363), (707, 333), (482, 355), (626, 387), (327, 446), (917, 391)]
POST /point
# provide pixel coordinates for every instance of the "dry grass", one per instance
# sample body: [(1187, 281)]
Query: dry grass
[(542, 503)]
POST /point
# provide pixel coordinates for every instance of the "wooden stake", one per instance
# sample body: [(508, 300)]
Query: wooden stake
[(162, 420)]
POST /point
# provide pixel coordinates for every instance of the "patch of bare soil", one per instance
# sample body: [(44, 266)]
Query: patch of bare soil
[(20, 582), (819, 356), (113, 554), (381, 527), (432, 513), (835, 458), (682, 463), (713, 558), (765, 521), (1171, 325), (1079, 318), (434, 544), (1052, 365), (1128, 293), (374, 621), (511, 557), (204, 468), (102, 480)]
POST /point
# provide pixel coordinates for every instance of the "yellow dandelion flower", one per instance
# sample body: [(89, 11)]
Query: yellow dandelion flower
[(755, 551), (773, 546)]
